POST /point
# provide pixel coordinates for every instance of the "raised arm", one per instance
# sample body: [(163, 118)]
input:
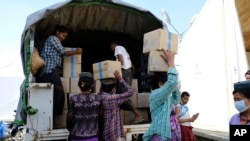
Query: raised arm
[(160, 95), (120, 98), (127, 94), (176, 96), (166, 90)]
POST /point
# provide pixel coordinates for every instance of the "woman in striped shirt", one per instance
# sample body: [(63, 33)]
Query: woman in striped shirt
[(165, 94)]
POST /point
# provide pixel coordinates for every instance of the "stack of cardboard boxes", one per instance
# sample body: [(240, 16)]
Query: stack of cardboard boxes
[(153, 43), (71, 71)]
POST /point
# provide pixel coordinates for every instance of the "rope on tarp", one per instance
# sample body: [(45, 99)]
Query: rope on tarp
[(28, 109), (25, 85)]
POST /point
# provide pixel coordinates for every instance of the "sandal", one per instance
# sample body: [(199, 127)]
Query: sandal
[(138, 121)]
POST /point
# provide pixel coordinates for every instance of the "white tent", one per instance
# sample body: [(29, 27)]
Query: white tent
[(212, 58), (10, 87)]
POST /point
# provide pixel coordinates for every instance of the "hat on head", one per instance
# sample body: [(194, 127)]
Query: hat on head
[(242, 85), (108, 81), (85, 74)]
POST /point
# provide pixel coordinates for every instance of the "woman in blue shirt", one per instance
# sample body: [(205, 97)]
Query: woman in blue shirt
[(165, 94)]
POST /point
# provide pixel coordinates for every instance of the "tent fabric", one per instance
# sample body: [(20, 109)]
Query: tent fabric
[(95, 11), (211, 61), (99, 17), (243, 8), (40, 14), (114, 16)]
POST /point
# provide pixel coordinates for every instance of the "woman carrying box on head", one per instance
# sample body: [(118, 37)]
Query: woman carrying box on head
[(164, 95), (112, 125)]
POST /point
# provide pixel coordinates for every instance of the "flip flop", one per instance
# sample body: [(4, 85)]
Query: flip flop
[(138, 121)]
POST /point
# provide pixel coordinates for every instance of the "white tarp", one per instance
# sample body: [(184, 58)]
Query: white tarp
[(10, 92), (212, 58)]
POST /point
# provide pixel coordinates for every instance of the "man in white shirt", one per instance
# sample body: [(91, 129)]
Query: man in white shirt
[(183, 117), (122, 56), (247, 75)]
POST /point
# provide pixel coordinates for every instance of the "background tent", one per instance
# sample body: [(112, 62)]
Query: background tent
[(212, 58)]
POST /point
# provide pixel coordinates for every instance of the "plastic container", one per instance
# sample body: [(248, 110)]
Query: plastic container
[(2, 129)]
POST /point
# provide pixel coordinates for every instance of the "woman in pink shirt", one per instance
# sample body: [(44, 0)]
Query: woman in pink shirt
[(241, 96)]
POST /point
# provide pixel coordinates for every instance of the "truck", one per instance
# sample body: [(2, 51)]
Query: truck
[(93, 25)]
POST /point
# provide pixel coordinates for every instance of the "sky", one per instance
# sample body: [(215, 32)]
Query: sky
[(14, 14)]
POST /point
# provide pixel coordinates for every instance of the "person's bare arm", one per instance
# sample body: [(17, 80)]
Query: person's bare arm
[(185, 120), (120, 58), (192, 119), (177, 111), (76, 51), (169, 57)]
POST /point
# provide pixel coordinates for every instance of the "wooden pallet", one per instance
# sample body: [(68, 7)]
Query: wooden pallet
[(134, 130)]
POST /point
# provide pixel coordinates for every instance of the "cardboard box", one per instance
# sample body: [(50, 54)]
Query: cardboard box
[(75, 59), (66, 84), (105, 69), (156, 62), (142, 100), (66, 88), (133, 98), (122, 114), (160, 39), (66, 101), (74, 89), (71, 70), (61, 119), (97, 86)]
